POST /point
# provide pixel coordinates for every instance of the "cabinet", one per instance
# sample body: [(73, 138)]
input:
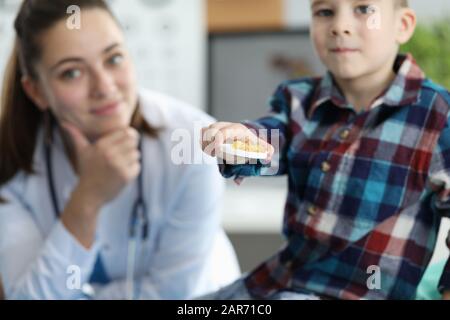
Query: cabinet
[(245, 15)]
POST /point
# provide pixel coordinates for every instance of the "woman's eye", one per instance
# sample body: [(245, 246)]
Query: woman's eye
[(324, 13), (368, 9), (116, 59), (71, 74)]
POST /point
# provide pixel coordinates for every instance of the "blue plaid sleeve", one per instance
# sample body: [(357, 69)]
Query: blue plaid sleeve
[(440, 164), (440, 167), (273, 128)]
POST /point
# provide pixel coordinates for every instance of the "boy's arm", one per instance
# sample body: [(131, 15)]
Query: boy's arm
[(272, 128), (439, 180)]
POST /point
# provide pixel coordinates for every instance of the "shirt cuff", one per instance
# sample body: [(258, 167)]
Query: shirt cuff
[(69, 253), (239, 172)]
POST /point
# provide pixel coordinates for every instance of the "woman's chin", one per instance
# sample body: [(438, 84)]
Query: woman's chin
[(105, 127)]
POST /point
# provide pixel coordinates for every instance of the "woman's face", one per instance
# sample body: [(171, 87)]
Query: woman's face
[(86, 76)]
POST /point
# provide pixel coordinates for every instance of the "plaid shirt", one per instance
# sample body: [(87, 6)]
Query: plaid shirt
[(359, 199)]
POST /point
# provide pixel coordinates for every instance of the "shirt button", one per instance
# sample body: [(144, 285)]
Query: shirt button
[(312, 210), (344, 134), (325, 166)]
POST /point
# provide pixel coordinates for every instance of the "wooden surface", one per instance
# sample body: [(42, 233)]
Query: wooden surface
[(244, 15)]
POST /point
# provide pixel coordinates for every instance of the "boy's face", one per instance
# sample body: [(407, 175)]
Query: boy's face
[(354, 38)]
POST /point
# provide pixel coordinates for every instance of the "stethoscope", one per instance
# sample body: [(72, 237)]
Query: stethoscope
[(138, 216)]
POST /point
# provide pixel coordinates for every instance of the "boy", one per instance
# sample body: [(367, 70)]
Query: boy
[(359, 147)]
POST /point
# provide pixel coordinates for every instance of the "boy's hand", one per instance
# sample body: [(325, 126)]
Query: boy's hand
[(440, 184), (446, 295), (227, 132)]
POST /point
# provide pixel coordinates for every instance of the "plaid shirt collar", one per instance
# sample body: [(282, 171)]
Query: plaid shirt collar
[(403, 90)]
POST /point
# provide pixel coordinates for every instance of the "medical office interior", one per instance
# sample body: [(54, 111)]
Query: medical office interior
[(226, 57)]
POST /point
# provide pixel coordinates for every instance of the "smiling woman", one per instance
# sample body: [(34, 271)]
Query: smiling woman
[(87, 80), (86, 176)]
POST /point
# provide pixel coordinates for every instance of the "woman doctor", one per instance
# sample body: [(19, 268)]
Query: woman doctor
[(92, 202)]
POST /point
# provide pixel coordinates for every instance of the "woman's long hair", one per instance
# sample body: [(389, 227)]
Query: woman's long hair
[(20, 119)]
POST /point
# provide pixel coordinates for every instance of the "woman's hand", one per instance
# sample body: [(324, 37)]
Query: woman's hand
[(104, 168), (225, 132), (108, 165)]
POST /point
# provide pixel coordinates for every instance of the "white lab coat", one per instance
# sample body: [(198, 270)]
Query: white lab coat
[(186, 254)]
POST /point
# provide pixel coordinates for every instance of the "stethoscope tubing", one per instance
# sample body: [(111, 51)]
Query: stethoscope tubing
[(138, 215)]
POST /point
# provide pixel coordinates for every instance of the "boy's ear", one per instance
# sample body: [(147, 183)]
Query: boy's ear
[(34, 92), (408, 21)]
